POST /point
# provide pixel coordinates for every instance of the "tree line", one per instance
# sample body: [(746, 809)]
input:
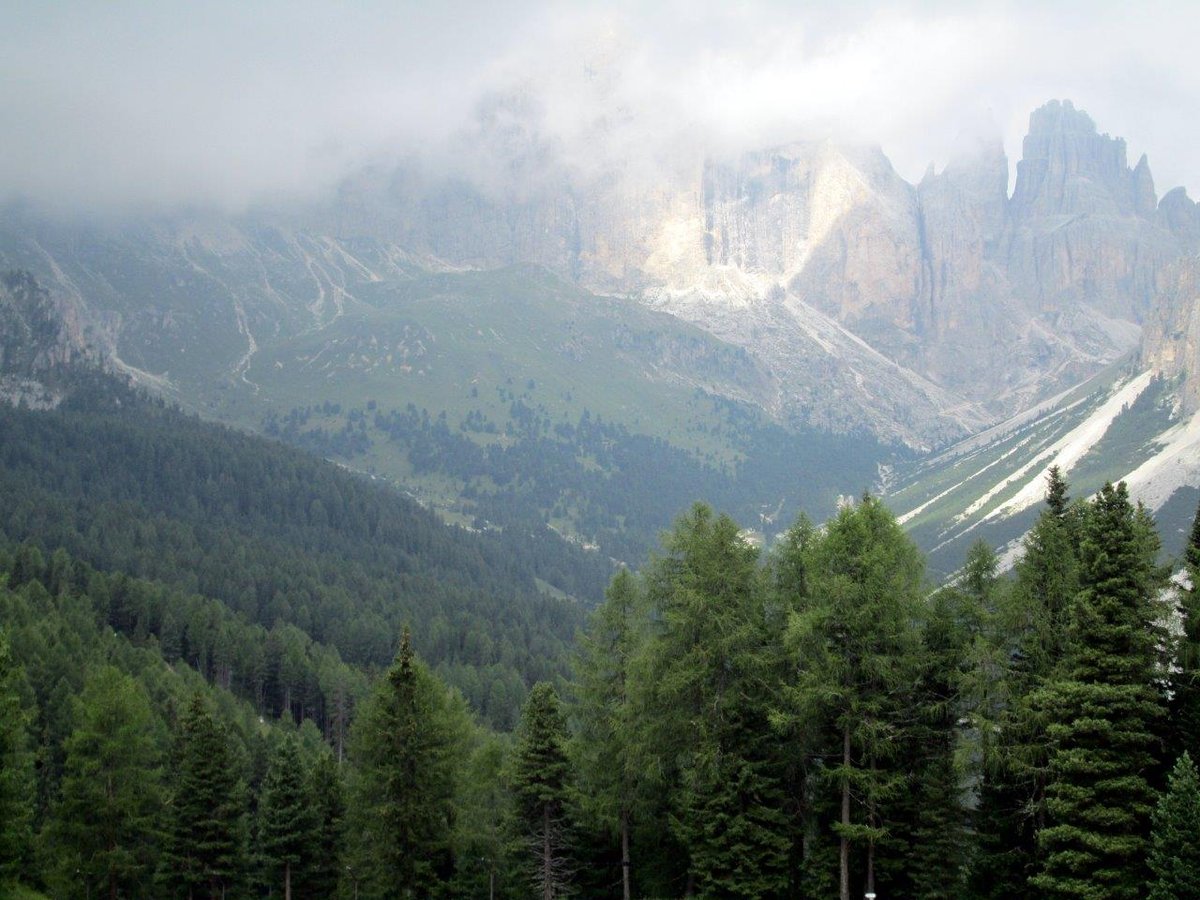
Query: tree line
[(809, 721)]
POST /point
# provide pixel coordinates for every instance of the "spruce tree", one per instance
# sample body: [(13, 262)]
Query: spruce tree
[(327, 801), (1019, 653), (287, 830), (1184, 724), (105, 822), (16, 770), (408, 746), (206, 818), (1102, 711), (540, 784), (1175, 836)]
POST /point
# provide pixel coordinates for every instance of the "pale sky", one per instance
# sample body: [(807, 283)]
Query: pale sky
[(115, 105)]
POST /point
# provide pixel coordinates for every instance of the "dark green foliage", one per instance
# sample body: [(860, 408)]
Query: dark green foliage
[(703, 679), (206, 820), (408, 747), (280, 538), (288, 817), (16, 770), (610, 770), (1175, 836), (855, 652), (326, 797), (1184, 723), (104, 825), (540, 784), (1103, 709)]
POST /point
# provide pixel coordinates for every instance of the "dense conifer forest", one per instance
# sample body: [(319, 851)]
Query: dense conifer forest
[(229, 670)]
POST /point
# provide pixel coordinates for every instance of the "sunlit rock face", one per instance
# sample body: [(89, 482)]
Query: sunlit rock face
[(1172, 341), (920, 312)]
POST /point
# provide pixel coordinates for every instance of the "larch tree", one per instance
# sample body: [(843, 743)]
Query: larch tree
[(1184, 731), (328, 804), (609, 768), (855, 653), (705, 678), (105, 820)]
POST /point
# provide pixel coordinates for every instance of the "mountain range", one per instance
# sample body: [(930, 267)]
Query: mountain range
[(793, 292)]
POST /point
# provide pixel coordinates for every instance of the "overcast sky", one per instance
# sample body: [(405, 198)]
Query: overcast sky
[(225, 104)]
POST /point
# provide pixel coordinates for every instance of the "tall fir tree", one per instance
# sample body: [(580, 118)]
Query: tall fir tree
[(103, 827), (288, 825), (206, 817), (16, 771), (408, 746), (540, 783), (1175, 836), (1103, 709)]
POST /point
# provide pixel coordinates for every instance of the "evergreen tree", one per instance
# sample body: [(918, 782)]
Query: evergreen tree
[(855, 649), (1022, 650), (105, 822), (609, 769), (540, 784), (705, 678), (1184, 731), (1175, 836), (408, 746), (16, 770), (288, 825), (1103, 710), (206, 820), (327, 802)]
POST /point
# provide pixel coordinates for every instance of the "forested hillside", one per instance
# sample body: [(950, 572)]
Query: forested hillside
[(811, 721), (180, 514)]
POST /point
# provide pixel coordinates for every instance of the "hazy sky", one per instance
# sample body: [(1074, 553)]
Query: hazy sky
[(224, 104)]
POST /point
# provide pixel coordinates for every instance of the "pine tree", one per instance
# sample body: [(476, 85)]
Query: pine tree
[(1103, 710), (1175, 836), (16, 770), (609, 768), (288, 824), (408, 746), (327, 802), (541, 779), (206, 840), (855, 647), (104, 823)]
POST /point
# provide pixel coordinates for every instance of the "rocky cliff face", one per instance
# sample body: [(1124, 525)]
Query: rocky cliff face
[(920, 311), (1172, 340)]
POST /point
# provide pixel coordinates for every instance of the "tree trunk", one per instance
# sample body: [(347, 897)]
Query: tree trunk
[(625, 854), (871, 841), (287, 881), (843, 841), (547, 869)]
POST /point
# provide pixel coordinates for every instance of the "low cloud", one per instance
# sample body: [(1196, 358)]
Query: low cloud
[(225, 105)]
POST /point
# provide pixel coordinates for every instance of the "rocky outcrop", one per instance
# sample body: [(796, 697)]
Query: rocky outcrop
[(1171, 345), (1083, 224)]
